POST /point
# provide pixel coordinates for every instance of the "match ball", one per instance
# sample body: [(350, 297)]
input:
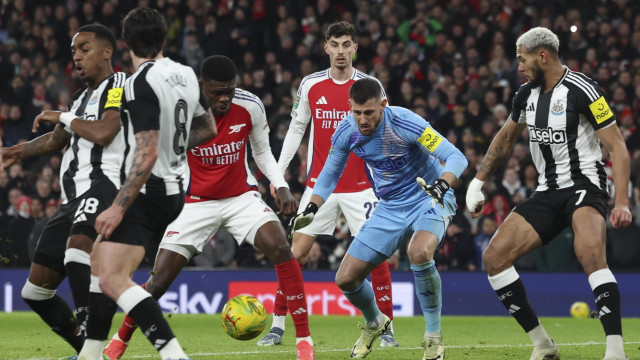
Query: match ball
[(243, 317), (580, 309)]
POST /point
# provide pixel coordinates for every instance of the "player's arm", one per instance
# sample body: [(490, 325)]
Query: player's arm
[(300, 118), (614, 143), (261, 151), (203, 124), (44, 144), (101, 132)]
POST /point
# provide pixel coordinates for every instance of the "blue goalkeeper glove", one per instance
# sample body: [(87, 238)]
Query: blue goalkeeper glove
[(303, 219), (436, 191)]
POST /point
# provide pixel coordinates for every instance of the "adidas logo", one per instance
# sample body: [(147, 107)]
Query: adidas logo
[(81, 217), (322, 101), (159, 342), (513, 308), (300, 311), (604, 311), (384, 298), (531, 107)]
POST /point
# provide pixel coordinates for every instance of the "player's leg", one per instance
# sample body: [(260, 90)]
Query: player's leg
[(590, 245), (303, 239), (185, 237), (45, 275), (270, 238), (516, 237), (357, 208)]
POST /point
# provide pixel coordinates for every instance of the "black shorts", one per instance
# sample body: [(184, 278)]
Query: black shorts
[(550, 212), (146, 220), (77, 217)]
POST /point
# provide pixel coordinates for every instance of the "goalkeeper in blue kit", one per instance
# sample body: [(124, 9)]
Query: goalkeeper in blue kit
[(403, 153)]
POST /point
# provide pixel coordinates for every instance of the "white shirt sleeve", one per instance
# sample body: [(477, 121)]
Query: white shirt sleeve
[(300, 118), (261, 150)]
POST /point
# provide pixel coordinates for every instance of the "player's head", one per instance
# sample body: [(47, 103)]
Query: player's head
[(144, 31), (367, 104), (340, 44), (218, 80), (536, 49), (92, 48)]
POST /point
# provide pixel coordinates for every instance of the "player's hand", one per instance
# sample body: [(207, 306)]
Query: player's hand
[(303, 219), (109, 220), (50, 116), (285, 201), (8, 156), (620, 217), (475, 197), (436, 191), (274, 193)]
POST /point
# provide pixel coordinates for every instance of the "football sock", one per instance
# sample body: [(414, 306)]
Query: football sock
[(128, 326), (539, 337), (381, 282), (429, 292), (511, 292), (306, 338), (146, 312), (278, 321), (101, 310), (280, 308), (607, 294), (291, 283), (55, 312), (78, 266), (362, 298)]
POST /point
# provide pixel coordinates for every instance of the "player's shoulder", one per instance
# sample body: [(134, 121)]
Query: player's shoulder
[(525, 90), (577, 81), (117, 79), (312, 79), (248, 100)]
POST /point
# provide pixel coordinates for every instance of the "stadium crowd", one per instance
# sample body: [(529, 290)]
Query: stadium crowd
[(452, 62)]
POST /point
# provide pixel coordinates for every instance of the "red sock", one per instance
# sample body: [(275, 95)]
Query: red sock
[(128, 326), (381, 282), (280, 303), (290, 281)]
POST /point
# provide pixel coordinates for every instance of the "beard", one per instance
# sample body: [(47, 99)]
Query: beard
[(538, 77)]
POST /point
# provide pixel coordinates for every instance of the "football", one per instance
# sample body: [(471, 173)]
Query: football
[(580, 309), (243, 317)]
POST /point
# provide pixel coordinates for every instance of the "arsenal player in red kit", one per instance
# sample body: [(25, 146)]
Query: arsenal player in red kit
[(223, 194)]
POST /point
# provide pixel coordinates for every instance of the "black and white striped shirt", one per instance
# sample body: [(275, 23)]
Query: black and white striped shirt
[(162, 95), (562, 125), (85, 161)]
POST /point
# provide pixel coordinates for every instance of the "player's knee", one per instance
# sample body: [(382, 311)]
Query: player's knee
[(156, 286), (300, 257), (346, 282), (279, 254), (494, 262), (419, 256)]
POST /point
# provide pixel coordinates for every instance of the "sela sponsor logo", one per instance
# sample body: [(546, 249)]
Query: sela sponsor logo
[(389, 164), (332, 114), (171, 233), (236, 128), (547, 136)]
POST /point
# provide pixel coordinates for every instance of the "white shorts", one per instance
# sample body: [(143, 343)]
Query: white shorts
[(241, 216), (356, 207)]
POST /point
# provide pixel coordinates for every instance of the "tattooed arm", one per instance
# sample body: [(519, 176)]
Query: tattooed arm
[(49, 142), (203, 128), (144, 158), (500, 148)]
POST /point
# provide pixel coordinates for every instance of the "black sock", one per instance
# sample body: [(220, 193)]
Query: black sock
[(148, 316), (608, 304), (58, 315), (514, 298), (101, 311), (79, 276)]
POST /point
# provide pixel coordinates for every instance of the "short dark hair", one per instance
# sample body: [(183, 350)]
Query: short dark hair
[(144, 31), (365, 89), (340, 29), (218, 68), (100, 32)]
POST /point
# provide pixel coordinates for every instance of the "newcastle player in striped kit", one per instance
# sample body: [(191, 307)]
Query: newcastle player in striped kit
[(567, 118), (163, 114), (90, 177)]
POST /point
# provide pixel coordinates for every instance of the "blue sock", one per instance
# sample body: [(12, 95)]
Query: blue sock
[(362, 298), (429, 292)]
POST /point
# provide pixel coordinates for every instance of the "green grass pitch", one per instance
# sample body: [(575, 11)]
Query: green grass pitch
[(24, 336)]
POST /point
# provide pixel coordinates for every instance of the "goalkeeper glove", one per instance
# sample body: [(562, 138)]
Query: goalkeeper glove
[(436, 191), (303, 219)]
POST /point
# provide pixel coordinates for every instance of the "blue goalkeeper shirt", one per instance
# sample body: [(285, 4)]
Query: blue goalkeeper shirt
[(403, 147)]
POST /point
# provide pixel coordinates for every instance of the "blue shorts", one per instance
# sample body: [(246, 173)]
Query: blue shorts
[(391, 226)]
